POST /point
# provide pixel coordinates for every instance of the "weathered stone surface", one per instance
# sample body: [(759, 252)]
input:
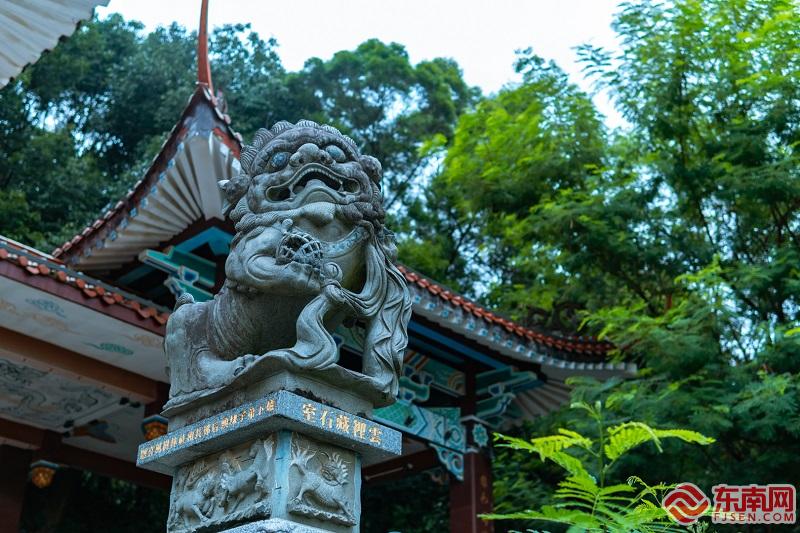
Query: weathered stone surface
[(230, 486), (284, 475), (310, 253), (330, 386), (323, 480), (274, 525)]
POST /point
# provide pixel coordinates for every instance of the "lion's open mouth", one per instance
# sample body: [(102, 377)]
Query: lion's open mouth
[(314, 178)]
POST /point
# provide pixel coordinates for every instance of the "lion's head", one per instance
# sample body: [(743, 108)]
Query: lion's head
[(310, 232), (303, 203)]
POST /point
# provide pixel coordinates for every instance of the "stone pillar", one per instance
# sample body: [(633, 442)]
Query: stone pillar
[(13, 482), (267, 431), (278, 461)]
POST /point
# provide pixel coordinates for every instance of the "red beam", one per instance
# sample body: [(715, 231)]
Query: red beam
[(472, 497)]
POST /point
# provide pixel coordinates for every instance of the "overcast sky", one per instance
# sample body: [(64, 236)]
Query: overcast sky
[(481, 35)]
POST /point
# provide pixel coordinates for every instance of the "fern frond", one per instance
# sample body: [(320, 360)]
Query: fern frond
[(551, 448), (569, 463), (686, 435), (625, 437), (553, 514)]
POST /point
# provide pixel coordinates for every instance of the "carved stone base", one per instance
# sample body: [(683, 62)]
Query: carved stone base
[(274, 525), (283, 461)]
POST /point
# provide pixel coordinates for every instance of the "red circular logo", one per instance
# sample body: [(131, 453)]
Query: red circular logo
[(686, 503)]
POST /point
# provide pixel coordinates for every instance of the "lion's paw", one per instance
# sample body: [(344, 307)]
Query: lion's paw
[(243, 363)]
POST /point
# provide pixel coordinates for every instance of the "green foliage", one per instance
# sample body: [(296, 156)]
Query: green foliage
[(586, 501), (513, 151), (674, 236)]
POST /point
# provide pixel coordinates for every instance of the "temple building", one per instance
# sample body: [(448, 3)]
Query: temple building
[(82, 368)]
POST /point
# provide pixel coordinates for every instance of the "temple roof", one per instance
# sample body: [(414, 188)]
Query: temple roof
[(179, 188), (469, 319), (588, 346), (29, 27)]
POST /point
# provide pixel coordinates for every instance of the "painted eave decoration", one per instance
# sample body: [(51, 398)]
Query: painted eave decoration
[(29, 27)]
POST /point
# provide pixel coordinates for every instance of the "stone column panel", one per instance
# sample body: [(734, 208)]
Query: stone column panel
[(283, 457)]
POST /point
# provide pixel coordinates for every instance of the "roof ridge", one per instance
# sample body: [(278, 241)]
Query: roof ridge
[(36, 264)]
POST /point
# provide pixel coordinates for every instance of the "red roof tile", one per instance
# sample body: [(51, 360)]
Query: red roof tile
[(34, 263), (571, 344)]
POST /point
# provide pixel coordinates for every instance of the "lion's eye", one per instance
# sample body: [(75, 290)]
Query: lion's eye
[(336, 153), (278, 161)]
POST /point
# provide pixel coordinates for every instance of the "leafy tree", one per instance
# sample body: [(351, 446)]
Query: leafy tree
[(514, 152), (675, 237), (711, 90)]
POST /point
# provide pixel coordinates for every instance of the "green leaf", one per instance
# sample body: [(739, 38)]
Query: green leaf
[(624, 437)]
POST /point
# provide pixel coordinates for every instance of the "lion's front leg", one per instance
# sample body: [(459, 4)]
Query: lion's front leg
[(315, 347), (194, 365)]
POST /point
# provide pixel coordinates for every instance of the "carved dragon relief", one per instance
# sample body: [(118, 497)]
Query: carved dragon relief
[(310, 252), (227, 488), (325, 490)]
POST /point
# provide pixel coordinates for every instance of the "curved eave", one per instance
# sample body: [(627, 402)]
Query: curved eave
[(30, 27), (179, 188)]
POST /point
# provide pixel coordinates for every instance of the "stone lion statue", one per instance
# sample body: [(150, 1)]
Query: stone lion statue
[(310, 252)]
